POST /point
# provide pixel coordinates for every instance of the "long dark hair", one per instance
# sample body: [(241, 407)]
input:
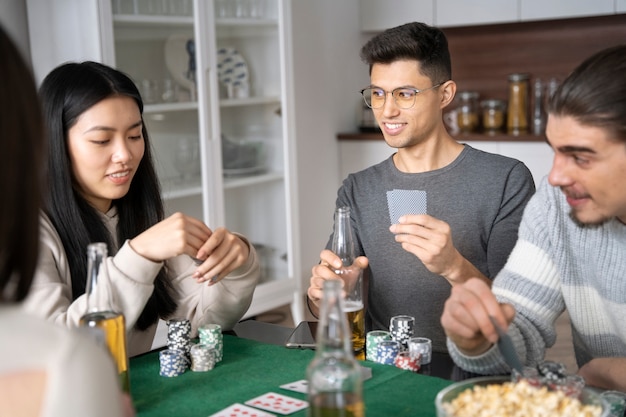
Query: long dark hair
[(66, 93), (22, 143)]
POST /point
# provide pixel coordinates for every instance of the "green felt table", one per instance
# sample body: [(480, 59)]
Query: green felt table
[(250, 368)]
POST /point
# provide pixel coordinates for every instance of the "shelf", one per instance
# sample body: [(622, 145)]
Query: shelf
[(133, 20), (243, 22), (232, 182), (170, 107), (499, 137), (250, 101)]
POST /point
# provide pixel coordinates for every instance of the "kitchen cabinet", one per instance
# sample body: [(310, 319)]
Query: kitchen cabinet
[(355, 155), (461, 13), (223, 150), (559, 9), (378, 15)]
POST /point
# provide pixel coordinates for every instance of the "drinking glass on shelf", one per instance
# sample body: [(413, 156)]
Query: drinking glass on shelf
[(187, 158), (257, 9), (242, 8), (223, 8)]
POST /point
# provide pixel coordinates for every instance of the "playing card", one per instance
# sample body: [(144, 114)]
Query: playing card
[(297, 386), (240, 410), (278, 403), (401, 202)]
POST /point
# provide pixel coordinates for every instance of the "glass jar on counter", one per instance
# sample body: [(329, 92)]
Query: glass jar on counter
[(493, 115), (517, 116), (467, 111)]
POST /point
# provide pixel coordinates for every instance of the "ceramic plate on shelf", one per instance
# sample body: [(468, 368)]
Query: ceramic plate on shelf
[(231, 66), (243, 172), (177, 59)]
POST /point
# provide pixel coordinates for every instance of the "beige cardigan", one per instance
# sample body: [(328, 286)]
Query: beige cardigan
[(131, 278)]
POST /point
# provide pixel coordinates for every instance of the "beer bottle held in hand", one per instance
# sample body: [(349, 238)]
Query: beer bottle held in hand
[(334, 375), (101, 316), (343, 246)]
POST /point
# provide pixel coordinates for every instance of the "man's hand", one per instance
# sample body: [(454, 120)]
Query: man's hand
[(465, 317), (325, 270), (430, 239), (605, 373)]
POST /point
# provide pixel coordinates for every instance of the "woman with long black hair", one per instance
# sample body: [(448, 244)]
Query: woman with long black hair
[(104, 188)]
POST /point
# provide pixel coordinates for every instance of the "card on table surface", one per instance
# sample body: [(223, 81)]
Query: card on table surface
[(401, 202), (278, 403), (297, 386), (240, 410)]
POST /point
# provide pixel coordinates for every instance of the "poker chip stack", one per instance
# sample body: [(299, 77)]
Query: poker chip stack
[(401, 329), (173, 363), (211, 336), (372, 340), (421, 346), (175, 359), (398, 346), (202, 358), (405, 360), (387, 351), (179, 336)]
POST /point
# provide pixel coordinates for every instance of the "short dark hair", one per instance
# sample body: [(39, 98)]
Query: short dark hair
[(21, 173), (412, 41), (595, 92)]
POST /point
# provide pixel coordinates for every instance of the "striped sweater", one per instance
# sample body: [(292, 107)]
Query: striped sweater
[(558, 265)]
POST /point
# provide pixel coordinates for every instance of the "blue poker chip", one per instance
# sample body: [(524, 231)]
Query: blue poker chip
[(172, 363), (387, 351)]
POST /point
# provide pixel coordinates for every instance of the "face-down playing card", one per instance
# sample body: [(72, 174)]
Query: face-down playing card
[(401, 202)]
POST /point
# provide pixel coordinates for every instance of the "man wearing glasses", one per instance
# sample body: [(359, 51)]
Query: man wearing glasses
[(436, 212)]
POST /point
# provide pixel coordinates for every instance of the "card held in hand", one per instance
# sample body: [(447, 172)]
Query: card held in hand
[(401, 202)]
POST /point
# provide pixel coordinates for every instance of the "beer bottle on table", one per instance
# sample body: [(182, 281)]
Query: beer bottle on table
[(334, 375), (101, 316), (343, 246)]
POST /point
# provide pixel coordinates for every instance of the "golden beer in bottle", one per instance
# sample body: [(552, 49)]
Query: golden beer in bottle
[(100, 315), (355, 314), (334, 375), (343, 247)]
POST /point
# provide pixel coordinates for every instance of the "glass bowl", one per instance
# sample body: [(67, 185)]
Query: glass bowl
[(446, 395)]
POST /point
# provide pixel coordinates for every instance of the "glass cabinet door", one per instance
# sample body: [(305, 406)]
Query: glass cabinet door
[(212, 76)]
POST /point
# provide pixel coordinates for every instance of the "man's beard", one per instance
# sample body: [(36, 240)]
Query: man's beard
[(587, 225)]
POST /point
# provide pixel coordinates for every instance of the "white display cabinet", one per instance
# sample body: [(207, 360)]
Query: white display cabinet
[(223, 151)]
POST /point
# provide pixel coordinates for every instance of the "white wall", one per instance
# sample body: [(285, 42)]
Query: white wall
[(69, 18), (328, 75), (14, 21)]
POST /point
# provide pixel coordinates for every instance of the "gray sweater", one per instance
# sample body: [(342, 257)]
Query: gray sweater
[(555, 265), (480, 195)]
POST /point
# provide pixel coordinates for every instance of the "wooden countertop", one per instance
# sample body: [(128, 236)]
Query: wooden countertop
[(501, 137)]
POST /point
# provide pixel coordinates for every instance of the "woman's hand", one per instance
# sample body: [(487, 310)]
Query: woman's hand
[(222, 253), (176, 235)]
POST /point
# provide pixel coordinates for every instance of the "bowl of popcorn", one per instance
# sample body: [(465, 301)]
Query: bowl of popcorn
[(504, 396)]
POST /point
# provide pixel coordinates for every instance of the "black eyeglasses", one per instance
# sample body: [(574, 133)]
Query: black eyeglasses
[(404, 97)]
